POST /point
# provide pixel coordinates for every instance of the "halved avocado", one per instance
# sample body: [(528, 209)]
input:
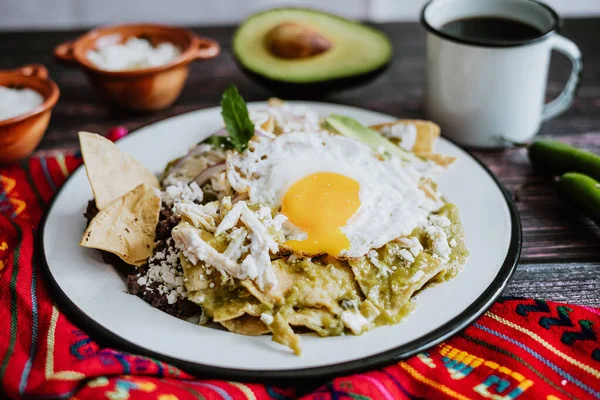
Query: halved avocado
[(307, 53)]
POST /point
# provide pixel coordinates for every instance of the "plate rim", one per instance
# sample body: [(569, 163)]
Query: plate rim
[(454, 326)]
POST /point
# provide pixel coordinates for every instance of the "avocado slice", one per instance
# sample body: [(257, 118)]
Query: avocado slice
[(353, 129), (307, 53)]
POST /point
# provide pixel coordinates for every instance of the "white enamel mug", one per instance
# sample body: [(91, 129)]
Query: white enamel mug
[(492, 95)]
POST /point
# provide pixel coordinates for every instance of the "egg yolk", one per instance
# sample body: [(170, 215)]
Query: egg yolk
[(321, 204)]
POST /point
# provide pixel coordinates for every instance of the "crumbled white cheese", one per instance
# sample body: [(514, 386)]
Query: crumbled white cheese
[(412, 244), (417, 276), (406, 242), (439, 241), (416, 247), (267, 319), (181, 192), (165, 270), (438, 236), (295, 118), (453, 242), (172, 297), (439, 220), (220, 184), (15, 102), (406, 132), (354, 321), (372, 256), (135, 53), (406, 255)]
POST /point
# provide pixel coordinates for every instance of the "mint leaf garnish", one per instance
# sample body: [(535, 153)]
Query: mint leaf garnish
[(235, 115)]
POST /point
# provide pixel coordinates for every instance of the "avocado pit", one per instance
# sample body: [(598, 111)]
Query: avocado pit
[(293, 41)]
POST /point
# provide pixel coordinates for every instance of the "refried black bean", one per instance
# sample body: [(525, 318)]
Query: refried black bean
[(166, 222)]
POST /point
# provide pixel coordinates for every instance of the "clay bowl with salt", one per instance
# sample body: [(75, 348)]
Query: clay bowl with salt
[(145, 87)]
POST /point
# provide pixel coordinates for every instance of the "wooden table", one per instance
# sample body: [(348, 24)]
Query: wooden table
[(561, 250)]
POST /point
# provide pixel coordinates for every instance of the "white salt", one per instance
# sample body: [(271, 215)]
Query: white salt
[(135, 53), (14, 102)]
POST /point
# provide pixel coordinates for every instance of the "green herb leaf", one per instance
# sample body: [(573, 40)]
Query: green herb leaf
[(235, 115), (219, 142)]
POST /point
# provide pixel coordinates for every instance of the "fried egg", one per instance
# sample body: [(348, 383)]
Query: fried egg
[(337, 192)]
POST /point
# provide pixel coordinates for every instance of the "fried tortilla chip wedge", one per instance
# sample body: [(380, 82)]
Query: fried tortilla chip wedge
[(111, 172), (246, 325), (427, 133), (126, 227)]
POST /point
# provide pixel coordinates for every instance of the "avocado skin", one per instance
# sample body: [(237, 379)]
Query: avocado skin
[(311, 90)]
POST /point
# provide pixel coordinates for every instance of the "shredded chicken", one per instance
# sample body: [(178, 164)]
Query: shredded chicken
[(256, 265), (195, 249), (198, 215), (236, 246)]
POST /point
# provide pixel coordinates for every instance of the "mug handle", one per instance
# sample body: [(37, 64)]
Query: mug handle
[(565, 99)]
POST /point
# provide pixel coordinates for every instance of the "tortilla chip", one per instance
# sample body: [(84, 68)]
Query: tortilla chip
[(284, 334), (127, 226), (275, 102), (441, 159), (269, 124), (111, 172), (391, 292), (246, 325), (429, 187), (427, 134), (319, 320)]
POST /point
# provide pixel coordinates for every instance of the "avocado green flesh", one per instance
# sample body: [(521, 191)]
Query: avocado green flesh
[(356, 49), (351, 128)]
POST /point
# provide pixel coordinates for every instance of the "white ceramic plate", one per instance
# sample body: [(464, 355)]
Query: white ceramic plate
[(95, 296)]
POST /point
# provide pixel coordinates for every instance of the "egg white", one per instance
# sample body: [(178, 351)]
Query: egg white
[(391, 203)]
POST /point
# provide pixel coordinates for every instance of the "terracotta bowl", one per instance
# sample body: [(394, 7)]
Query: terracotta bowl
[(20, 135), (146, 89)]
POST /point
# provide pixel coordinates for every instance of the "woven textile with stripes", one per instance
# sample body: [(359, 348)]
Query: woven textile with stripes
[(519, 349)]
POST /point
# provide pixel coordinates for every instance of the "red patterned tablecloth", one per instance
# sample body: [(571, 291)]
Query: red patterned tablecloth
[(521, 348)]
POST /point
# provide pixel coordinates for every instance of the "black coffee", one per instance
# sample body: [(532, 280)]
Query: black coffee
[(491, 30)]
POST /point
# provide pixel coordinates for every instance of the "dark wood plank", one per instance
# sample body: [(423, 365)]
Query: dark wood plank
[(553, 232), (571, 283)]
